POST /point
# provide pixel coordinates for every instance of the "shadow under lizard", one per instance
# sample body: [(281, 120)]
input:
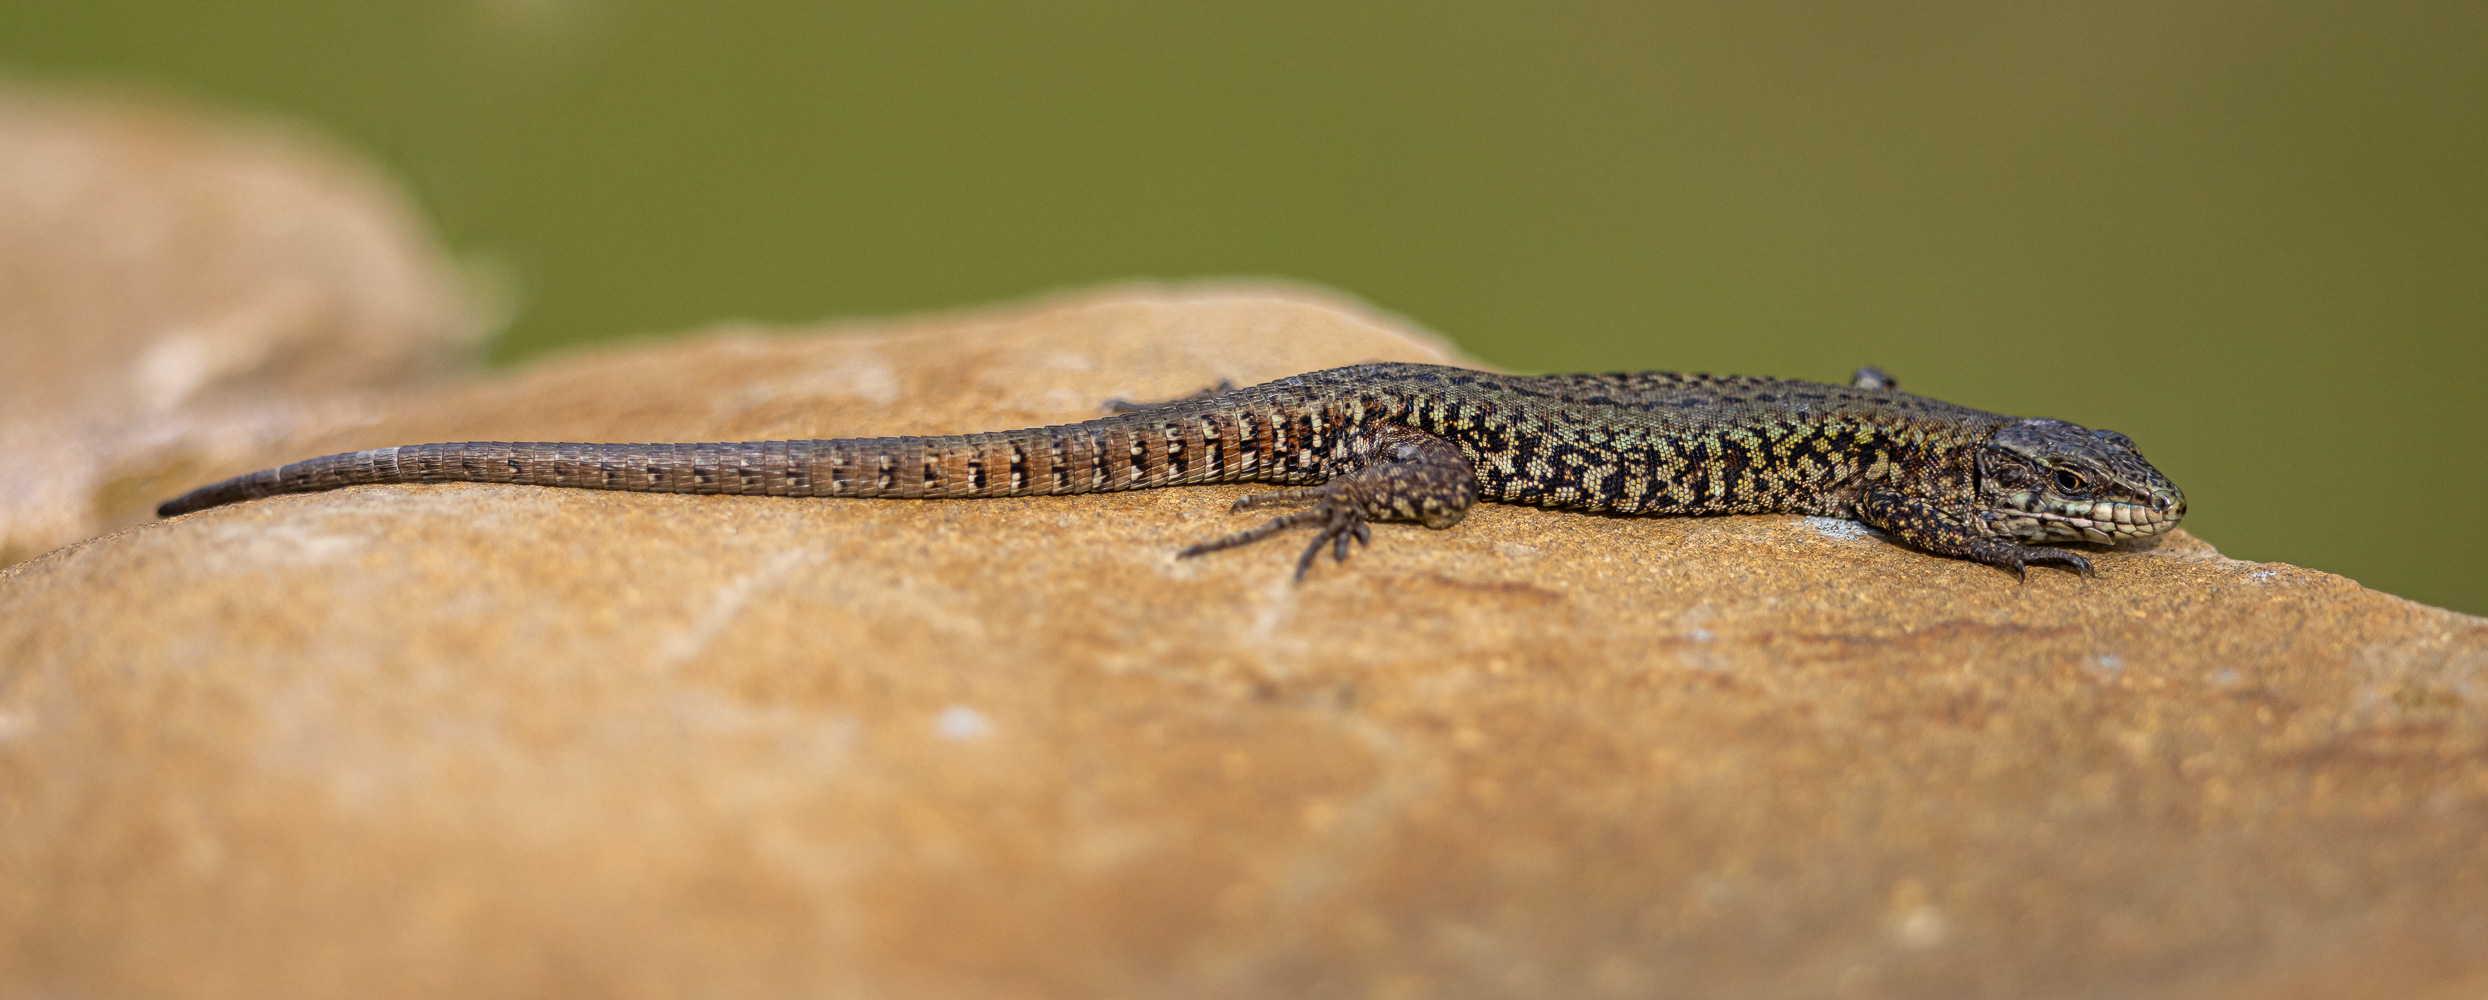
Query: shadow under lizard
[(1421, 443)]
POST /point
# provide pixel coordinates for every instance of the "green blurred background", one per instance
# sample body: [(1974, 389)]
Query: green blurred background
[(2252, 235)]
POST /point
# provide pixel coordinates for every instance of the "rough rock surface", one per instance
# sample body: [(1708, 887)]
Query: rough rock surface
[(496, 741), (176, 290)]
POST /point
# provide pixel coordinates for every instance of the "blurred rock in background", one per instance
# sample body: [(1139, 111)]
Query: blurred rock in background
[(177, 287)]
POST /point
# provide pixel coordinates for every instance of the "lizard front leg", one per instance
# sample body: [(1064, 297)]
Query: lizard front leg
[(1932, 528), (1412, 476)]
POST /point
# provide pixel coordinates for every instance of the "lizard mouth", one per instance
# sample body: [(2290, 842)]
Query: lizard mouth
[(2101, 522)]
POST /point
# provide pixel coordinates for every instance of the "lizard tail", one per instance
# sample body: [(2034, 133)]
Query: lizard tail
[(1171, 446)]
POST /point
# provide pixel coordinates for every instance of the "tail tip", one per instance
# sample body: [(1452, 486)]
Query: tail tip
[(183, 504)]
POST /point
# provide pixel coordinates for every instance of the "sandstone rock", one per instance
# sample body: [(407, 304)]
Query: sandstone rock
[(176, 290), (495, 741)]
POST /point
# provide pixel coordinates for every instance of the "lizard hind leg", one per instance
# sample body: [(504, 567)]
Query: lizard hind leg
[(1407, 475), (1223, 387)]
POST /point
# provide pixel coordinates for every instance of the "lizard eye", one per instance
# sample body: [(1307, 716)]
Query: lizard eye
[(2067, 479)]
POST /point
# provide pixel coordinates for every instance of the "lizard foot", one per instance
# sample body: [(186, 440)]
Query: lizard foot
[(2019, 559), (1406, 475), (1948, 533), (1336, 522)]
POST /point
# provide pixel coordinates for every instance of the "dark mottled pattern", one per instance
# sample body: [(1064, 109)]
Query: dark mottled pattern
[(1419, 443)]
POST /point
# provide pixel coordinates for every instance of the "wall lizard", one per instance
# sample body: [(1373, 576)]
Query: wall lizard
[(1407, 442)]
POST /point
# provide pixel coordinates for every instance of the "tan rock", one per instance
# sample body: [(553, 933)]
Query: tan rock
[(174, 290), (495, 741)]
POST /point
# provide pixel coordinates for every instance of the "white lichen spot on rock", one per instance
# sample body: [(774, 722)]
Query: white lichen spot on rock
[(1696, 622), (1838, 529), (281, 544), (1915, 921), (1921, 927), (173, 368), (961, 724)]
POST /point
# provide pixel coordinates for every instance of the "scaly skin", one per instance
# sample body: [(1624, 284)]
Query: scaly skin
[(1398, 442)]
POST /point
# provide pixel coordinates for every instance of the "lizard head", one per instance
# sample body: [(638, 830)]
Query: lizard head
[(2051, 481)]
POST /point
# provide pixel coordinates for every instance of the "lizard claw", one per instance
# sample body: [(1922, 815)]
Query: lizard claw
[(2020, 562), (1357, 529), (1340, 522)]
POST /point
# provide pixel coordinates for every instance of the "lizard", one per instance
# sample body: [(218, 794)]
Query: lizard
[(1422, 443)]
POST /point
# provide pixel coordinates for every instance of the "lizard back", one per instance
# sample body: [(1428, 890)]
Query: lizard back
[(1679, 443)]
